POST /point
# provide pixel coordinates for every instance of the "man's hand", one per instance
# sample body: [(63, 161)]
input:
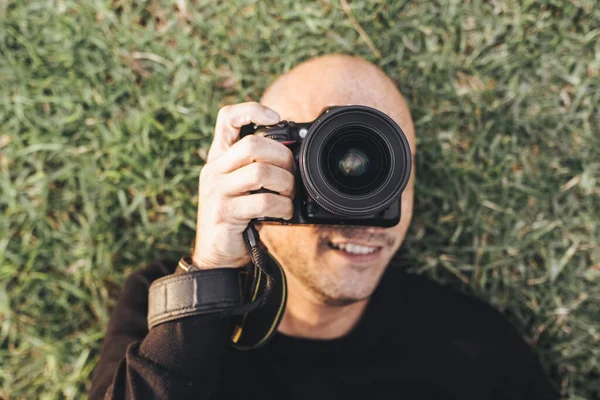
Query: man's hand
[(234, 168)]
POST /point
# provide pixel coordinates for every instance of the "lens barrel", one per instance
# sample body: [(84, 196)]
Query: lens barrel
[(354, 161)]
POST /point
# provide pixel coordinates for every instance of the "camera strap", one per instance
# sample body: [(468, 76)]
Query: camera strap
[(255, 296), (264, 295)]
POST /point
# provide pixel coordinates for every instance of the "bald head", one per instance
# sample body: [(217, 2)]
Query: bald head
[(314, 268), (300, 94)]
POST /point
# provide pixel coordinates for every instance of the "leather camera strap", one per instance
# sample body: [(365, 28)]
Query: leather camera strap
[(255, 296)]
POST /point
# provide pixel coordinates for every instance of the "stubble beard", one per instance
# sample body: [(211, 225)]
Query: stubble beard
[(355, 286)]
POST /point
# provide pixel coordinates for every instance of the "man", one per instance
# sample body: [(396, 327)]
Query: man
[(352, 328)]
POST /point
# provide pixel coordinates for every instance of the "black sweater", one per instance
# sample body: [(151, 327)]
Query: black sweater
[(417, 340)]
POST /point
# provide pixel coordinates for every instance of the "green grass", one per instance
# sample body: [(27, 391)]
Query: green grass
[(106, 108)]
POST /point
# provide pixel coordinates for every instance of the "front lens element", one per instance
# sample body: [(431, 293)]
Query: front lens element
[(355, 162)]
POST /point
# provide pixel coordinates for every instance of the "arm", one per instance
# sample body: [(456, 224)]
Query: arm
[(136, 363), (177, 360), (182, 358)]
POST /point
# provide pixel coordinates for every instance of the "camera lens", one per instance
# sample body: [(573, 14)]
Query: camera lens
[(354, 161)]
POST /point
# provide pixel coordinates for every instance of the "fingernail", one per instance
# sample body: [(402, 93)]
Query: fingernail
[(272, 115)]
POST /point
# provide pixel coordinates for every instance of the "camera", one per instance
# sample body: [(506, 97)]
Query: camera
[(353, 162)]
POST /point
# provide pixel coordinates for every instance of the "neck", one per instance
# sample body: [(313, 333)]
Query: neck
[(307, 316)]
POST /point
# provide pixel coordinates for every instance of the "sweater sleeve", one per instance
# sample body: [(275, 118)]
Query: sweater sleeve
[(178, 359)]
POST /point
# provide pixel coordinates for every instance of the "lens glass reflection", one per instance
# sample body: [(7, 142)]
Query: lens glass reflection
[(355, 162)]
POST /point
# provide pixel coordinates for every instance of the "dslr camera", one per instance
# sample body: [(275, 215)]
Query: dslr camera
[(353, 163)]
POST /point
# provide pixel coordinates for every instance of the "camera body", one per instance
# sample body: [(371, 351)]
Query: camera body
[(353, 162)]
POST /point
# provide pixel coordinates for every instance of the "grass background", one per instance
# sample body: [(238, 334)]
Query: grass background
[(107, 109)]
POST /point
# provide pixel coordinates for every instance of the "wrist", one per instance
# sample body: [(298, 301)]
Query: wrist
[(202, 263), (199, 263)]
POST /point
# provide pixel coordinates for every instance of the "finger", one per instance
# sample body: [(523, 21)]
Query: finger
[(256, 176), (259, 205), (254, 149), (231, 118)]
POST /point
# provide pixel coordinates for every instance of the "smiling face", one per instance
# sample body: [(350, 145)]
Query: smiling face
[(337, 265)]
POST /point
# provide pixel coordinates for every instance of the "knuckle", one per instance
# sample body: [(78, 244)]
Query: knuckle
[(205, 173), (208, 184), (288, 207), (205, 187), (219, 211), (254, 106), (209, 189), (250, 145), (286, 203), (289, 183), (240, 120), (289, 156), (224, 111), (260, 172), (266, 202)]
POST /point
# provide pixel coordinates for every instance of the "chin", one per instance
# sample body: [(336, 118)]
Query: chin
[(346, 293), (341, 301), (341, 281)]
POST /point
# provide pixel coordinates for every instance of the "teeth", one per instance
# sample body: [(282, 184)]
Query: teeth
[(354, 248)]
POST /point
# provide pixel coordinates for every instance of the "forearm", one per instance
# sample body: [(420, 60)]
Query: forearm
[(179, 359), (175, 359)]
